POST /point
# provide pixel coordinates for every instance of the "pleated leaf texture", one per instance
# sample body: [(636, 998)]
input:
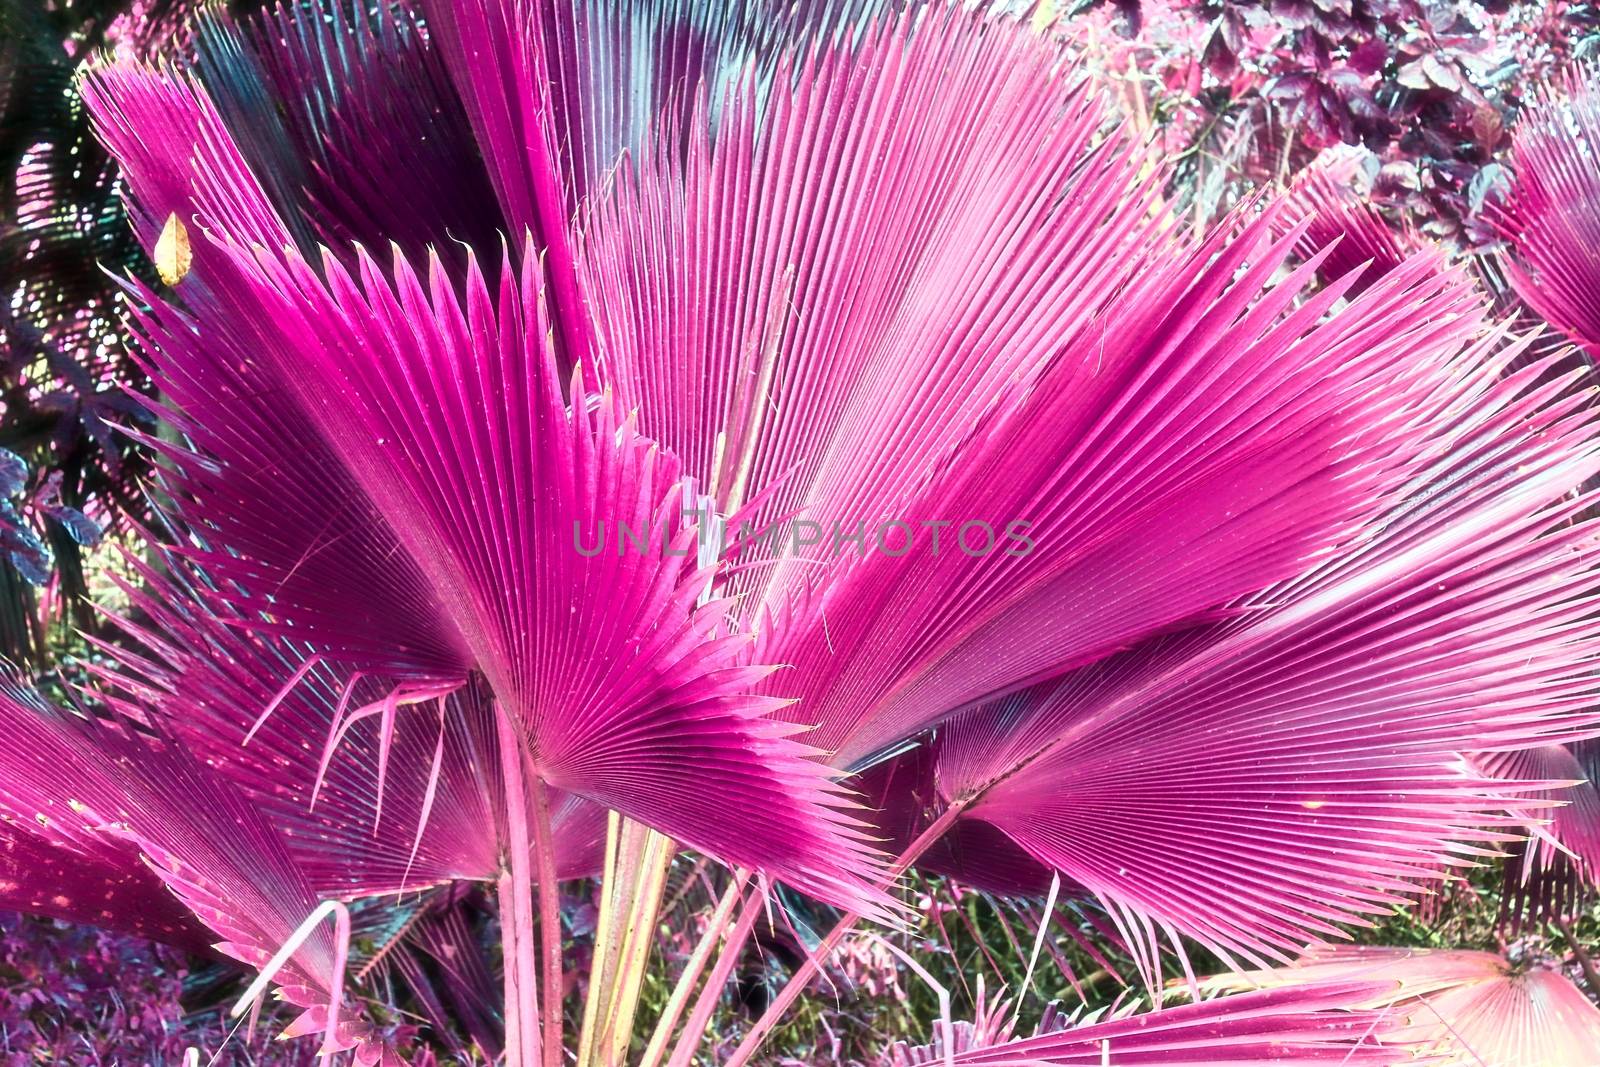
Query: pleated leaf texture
[(1225, 782), (120, 829), (1320, 1023), (1357, 239), (1262, 557), (1175, 428), (1555, 874), (1454, 1008)]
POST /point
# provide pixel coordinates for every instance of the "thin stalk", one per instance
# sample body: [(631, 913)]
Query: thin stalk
[(638, 939), (506, 892), (806, 971), (1591, 975), (603, 964), (706, 1005), (549, 922), (636, 865), (692, 970), (516, 909)]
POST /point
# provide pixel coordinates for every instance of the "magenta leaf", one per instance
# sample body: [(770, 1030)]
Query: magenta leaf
[(1226, 782), (1340, 223), (1557, 870), (397, 478)]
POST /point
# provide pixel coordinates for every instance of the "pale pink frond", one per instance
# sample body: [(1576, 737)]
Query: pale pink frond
[(815, 277), (1201, 441), (1453, 1007), (1556, 871), (1327, 1024)]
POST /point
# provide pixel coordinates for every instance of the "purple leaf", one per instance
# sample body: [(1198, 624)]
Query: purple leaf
[(13, 474)]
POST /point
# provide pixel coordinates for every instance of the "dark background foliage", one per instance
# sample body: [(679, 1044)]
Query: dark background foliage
[(1250, 91), (62, 369)]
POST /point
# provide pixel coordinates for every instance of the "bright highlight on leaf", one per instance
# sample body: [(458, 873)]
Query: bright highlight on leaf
[(1453, 1008)]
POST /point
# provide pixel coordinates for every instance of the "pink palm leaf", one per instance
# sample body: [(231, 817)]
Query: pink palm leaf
[(349, 117), (1556, 871), (818, 302), (1177, 432), (134, 804), (168, 826), (1327, 1023), (52, 862), (422, 809), (395, 476), (1225, 782), (1357, 238), (1456, 1008), (960, 318), (1278, 555), (1330, 1023)]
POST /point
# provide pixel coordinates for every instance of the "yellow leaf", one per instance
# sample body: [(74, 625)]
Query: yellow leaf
[(1044, 15), (173, 254)]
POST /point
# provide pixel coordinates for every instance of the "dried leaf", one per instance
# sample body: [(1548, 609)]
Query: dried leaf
[(173, 255)]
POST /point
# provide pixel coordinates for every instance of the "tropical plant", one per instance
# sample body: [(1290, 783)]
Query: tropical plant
[(802, 436)]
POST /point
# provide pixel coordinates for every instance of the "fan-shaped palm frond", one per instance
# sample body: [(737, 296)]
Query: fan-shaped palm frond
[(1552, 217), (1455, 1007)]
